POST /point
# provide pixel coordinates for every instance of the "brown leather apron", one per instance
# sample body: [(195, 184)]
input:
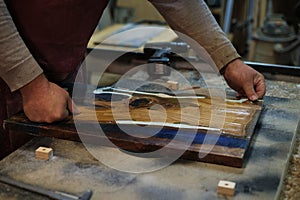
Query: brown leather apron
[(56, 32)]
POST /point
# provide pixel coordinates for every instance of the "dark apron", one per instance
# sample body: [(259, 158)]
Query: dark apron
[(56, 32)]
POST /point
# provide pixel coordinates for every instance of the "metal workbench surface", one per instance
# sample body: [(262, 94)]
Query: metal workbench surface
[(73, 169)]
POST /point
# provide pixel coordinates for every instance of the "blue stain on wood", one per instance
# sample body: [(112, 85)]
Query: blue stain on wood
[(185, 136), (200, 138)]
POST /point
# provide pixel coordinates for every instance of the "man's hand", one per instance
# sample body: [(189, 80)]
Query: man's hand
[(44, 101), (245, 80)]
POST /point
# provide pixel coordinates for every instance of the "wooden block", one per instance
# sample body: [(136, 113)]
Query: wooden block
[(173, 85), (43, 153), (226, 188)]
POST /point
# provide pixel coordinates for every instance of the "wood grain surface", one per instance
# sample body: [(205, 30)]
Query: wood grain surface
[(236, 118), (233, 138)]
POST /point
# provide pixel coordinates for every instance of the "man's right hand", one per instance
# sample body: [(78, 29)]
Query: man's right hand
[(245, 80), (44, 101)]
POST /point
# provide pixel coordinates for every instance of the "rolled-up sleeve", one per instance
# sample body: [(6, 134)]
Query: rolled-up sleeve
[(194, 19), (17, 66)]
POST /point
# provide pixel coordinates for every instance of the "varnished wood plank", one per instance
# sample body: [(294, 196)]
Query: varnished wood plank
[(229, 149)]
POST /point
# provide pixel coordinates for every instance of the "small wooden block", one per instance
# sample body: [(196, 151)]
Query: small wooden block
[(43, 153), (226, 188), (173, 85)]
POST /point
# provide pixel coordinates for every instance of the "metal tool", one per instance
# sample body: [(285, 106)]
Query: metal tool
[(275, 68), (129, 93), (160, 62), (51, 194), (162, 57)]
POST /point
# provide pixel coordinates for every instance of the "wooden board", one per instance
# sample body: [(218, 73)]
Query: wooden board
[(119, 37), (133, 37), (229, 149)]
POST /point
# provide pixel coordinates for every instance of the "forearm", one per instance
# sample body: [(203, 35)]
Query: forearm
[(17, 66), (193, 18)]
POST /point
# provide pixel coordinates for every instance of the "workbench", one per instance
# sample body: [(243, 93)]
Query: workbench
[(74, 170)]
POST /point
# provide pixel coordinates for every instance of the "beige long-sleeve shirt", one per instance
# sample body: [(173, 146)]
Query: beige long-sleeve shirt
[(190, 17), (17, 66)]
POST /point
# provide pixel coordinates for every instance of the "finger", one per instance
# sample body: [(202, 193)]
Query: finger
[(72, 107), (66, 114), (250, 92), (57, 116), (260, 88), (240, 95)]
